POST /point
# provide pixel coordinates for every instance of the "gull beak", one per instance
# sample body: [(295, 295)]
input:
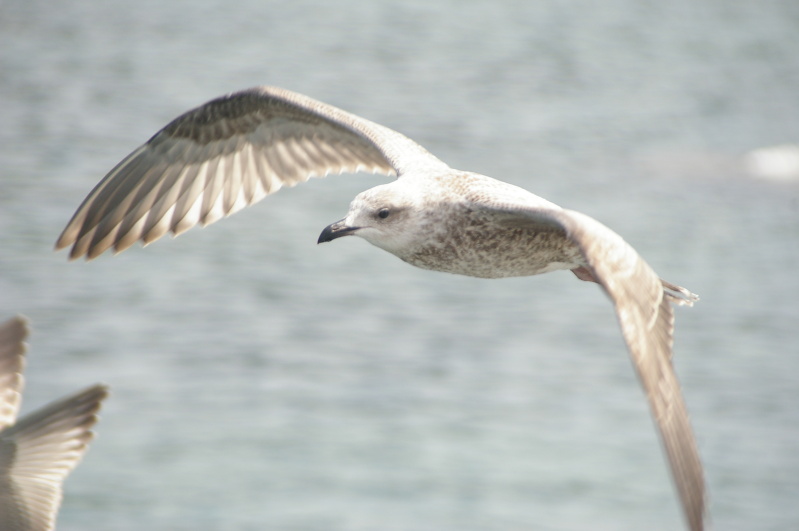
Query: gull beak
[(336, 230)]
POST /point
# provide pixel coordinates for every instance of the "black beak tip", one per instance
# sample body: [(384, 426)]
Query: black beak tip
[(325, 236), (335, 230)]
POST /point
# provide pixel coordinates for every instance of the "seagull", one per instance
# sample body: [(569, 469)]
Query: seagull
[(40, 449), (235, 150)]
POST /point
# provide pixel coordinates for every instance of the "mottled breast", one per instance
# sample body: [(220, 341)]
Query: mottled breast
[(470, 242)]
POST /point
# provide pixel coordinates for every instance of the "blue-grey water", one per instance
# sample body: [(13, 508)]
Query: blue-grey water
[(262, 382)]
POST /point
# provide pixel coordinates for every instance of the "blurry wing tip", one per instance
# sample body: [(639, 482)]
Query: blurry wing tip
[(22, 323), (679, 295), (74, 255), (92, 399), (62, 243), (76, 251), (91, 253), (101, 390)]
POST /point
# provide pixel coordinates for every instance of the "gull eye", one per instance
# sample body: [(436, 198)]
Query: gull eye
[(383, 213)]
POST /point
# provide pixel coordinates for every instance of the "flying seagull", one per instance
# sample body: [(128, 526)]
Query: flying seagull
[(40, 449), (234, 150)]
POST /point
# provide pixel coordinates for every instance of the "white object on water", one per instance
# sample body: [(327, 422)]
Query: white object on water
[(778, 163)]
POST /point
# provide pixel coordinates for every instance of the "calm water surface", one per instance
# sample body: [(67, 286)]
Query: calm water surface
[(263, 382)]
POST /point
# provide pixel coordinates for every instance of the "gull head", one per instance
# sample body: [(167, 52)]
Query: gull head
[(384, 216)]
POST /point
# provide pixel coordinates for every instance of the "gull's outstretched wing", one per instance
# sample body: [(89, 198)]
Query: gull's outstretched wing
[(227, 154), (643, 307), (37, 453), (12, 362)]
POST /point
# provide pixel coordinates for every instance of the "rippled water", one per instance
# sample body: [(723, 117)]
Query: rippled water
[(262, 382)]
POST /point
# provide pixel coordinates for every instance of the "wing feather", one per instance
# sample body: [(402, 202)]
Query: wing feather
[(241, 147), (646, 317), (12, 362), (40, 449), (643, 306), (38, 452)]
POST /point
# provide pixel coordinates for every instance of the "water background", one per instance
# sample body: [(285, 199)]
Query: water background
[(262, 382)]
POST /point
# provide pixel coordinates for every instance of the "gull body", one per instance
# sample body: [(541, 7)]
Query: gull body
[(39, 450), (443, 222), (235, 150)]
